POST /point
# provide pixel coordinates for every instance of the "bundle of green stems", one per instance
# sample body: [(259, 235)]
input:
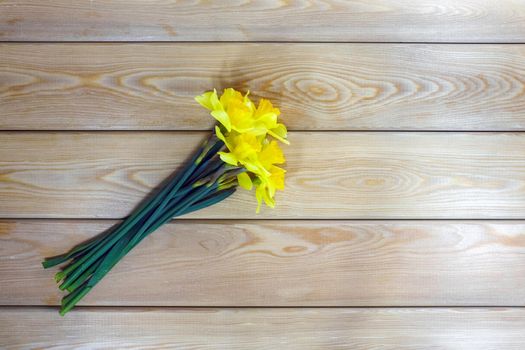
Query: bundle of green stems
[(204, 181)]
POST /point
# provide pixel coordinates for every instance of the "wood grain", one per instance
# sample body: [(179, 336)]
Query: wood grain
[(336, 175), (339, 283), (359, 329), (269, 20), (281, 263), (317, 86)]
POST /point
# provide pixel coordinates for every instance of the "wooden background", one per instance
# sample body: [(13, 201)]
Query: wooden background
[(403, 222)]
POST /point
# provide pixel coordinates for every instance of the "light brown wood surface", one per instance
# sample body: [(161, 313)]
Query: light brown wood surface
[(317, 86), (298, 329), (281, 263), (266, 20), (402, 225), (333, 175)]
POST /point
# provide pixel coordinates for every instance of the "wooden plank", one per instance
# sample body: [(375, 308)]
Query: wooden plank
[(281, 263), (335, 175), (272, 20), (142, 328), (317, 86)]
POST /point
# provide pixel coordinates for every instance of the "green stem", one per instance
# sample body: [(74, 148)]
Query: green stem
[(108, 262), (209, 146), (82, 278), (93, 260), (77, 250), (199, 201), (104, 245), (73, 299)]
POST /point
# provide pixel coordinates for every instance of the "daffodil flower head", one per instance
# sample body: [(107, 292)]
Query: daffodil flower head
[(237, 112), (250, 136)]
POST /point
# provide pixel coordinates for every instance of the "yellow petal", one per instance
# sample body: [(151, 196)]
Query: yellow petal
[(280, 132), (285, 141), (245, 181), (256, 168), (246, 145), (209, 100), (269, 120), (276, 179), (240, 116), (248, 103), (271, 154), (204, 100), (229, 95), (265, 107), (222, 117), (268, 200), (259, 193), (219, 134), (228, 158)]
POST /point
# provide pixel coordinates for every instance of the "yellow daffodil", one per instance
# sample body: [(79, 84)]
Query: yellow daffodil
[(243, 149), (238, 113), (273, 179), (271, 154), (266, 119), (246, 131)]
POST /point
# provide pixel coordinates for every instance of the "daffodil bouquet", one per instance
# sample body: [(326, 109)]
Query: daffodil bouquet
[(243, 151)]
